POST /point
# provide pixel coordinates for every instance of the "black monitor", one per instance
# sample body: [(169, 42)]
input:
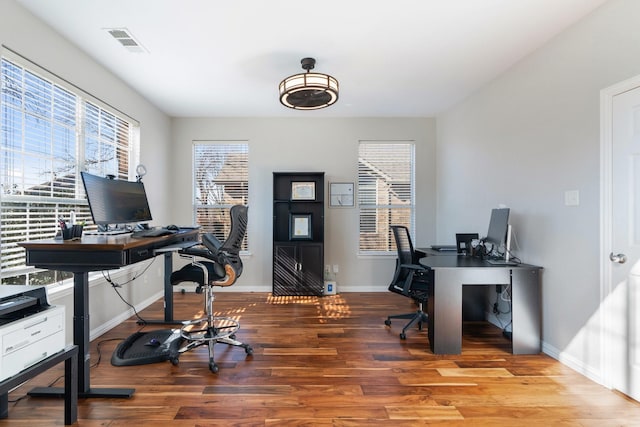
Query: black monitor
[(114, 201), (498, 228)]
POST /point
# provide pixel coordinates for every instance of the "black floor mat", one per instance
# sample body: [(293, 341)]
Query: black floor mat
[(143, 348)]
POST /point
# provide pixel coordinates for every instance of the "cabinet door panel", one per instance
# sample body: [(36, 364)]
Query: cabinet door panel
[(311, 280), (285, 273)]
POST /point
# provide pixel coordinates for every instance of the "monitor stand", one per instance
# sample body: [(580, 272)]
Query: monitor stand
[(507, 252)]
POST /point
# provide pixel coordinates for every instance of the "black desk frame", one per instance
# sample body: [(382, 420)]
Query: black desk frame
[(70, 393), (97, 253), (444, 308)]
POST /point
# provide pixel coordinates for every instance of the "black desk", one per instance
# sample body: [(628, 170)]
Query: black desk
[(97, 253), (70, 357), (444, 308)]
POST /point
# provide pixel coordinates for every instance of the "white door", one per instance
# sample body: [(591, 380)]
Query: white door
[(624, 299)]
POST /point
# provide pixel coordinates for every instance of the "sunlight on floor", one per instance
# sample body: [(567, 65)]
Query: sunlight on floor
[(329, 307)]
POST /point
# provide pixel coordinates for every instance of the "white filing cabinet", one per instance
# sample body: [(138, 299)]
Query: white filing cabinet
[(31, 339)]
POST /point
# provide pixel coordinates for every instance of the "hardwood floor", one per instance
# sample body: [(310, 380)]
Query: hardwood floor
[(329, 361)]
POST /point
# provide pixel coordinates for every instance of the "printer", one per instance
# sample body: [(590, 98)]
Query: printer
[(30, 328)]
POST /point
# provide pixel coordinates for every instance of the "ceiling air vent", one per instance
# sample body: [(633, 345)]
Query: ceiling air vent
[(124, 37)]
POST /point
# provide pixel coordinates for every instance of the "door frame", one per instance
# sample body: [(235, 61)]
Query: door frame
[(606, 212)]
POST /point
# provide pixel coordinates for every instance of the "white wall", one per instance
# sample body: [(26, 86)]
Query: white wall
[(524, 140), (307, 144), (28, 36)]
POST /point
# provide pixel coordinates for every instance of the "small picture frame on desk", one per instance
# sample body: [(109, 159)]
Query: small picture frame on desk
[(300, 227), (303, 190)]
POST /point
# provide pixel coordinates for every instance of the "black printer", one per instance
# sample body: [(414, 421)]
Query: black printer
[(17, 302)]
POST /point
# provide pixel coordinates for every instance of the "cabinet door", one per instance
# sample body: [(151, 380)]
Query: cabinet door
[(311, 280), (285, 270)]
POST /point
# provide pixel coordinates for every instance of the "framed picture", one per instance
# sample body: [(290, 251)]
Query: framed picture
[(300, 226), (341, 194), (303, 190)]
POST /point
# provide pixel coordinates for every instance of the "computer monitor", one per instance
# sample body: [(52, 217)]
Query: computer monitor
[(498, 234), (114, 201)]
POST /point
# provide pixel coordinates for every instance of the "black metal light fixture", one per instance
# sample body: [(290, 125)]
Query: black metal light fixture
[(308, 91)]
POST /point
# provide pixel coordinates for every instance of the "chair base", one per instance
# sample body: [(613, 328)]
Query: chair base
[(210, 331), (417, 316)]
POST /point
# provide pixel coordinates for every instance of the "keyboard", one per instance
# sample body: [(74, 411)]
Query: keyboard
[(501, 262), (154, 232), (443, 248), (107, 233)]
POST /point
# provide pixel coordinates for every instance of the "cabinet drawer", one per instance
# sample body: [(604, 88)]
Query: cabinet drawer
[(32, 329)]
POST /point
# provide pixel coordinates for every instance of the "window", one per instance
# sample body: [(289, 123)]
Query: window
[(49, 132), (385, 192), (221, 180)]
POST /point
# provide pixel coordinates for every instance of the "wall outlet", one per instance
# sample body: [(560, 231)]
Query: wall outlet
[(335, 268)]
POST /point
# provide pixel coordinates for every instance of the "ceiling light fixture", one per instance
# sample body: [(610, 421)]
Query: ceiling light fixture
[(308, 91)]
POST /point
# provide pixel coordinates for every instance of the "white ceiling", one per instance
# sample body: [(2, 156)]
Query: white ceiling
[(214, 58)]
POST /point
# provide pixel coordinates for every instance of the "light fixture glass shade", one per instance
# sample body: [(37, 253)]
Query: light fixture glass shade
[(308, 91)]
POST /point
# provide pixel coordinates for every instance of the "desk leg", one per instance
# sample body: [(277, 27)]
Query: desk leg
[(71, 390), (168, 289), (81, 339), (526, 311), (168, 296), (445, 312), (4, 405)]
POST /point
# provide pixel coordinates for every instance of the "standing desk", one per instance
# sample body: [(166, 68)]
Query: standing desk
[(444, 308), (97, 253)]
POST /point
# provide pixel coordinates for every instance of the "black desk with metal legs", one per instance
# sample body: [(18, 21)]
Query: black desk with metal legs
[(452, 273), (97, 253)]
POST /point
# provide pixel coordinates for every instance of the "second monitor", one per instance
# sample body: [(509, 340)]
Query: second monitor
[(499, 234)]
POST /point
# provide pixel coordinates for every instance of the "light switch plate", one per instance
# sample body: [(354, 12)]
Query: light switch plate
[(572, 198)]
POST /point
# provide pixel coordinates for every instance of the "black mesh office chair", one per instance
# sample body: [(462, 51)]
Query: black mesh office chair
[(222, 267), (411, 279)]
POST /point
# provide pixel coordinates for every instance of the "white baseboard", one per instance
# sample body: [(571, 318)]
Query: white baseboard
[(107, 326), (573, 363)]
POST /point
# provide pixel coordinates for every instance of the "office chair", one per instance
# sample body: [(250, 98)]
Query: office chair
[(222, 267), (411, 279)]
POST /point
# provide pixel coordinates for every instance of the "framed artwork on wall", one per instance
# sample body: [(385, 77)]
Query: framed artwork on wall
[(341, 194), (303, 190), (300, 227)]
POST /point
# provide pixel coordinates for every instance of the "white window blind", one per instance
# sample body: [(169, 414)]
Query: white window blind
[(221, 180), (385, 192), (50, 131)]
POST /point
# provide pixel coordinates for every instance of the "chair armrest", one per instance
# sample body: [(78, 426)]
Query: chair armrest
[(197, 251), (416, 267)]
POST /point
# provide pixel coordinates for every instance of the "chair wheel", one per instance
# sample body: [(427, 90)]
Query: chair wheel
[(248, 350), (174, 361), (403, 336), (232, 336), (387, 322), (213, 367)]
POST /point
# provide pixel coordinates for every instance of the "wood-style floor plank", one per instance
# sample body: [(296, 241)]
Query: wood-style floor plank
[(329, 361)]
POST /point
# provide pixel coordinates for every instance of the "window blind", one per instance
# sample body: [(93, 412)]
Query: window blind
[(221, 180), (50, 131), (385, 192)]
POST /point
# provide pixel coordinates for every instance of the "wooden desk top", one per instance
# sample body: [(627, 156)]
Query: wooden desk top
[(118, 242), (95, 252)]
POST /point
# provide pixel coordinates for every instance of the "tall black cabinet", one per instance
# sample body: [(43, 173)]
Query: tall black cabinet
[(298, 233)]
